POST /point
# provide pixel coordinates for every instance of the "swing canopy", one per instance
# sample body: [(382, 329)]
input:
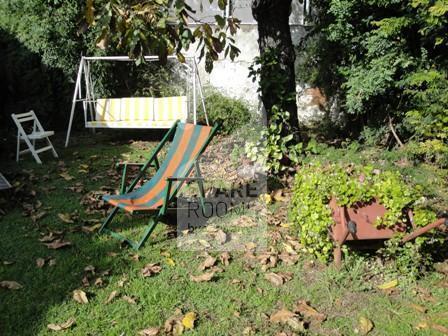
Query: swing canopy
[(135, 112)]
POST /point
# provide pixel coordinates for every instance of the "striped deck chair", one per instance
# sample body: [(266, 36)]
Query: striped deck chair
[(189, 142)]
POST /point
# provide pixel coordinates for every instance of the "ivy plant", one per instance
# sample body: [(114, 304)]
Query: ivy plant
[(273, 148), (315, 185)]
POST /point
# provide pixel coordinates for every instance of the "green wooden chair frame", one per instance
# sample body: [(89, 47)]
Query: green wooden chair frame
[(169, 194)]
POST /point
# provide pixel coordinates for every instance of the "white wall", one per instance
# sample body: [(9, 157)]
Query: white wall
[(231, 78)]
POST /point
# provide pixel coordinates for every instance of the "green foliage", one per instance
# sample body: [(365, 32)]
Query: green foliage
[(428, 92), (267, 70), (277, 147), (161, 28), (382, 58), (273, 150), (50, 29), (433, 151), (42, 41), (233, 113), (316, 185)]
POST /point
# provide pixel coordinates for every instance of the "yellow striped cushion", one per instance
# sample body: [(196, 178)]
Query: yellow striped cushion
[(108, 109), (170, 108), (137, 108), (131, 124)]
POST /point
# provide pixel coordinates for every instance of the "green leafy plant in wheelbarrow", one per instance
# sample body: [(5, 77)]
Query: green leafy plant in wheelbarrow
[(333, 204)]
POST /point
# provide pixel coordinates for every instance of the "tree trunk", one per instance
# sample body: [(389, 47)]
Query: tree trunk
[(277, 83)]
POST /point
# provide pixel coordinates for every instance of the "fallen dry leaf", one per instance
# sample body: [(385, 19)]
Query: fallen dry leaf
[(288, 259), (153, 331), (267, 260), (418, 308), (174, 324), (111, 296), (248, 331), (57, 244), (98, 282), (296, 324), (85, 281), (278, 279), (289, 249), (281, 316), (274, 279), (278, 196), (389, 284), (365, 326), (129, 299), (304, 309), (266, 198), (250, 246), (90, 229), (188, 320), (35, 217), (48, 238), (221, 237), (40, 262), (422, 325), (80, 296), (58, 327), (122, 281), (203, 277), (66, 218), (440, 328), (208, 262), (10, 284), (170, 262), (151, 269), (225, 258), (66, 176)]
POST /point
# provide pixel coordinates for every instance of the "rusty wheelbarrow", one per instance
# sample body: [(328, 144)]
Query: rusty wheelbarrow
[(358, 223)]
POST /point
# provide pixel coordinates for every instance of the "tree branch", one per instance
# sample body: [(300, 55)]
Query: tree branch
[(392, 129)]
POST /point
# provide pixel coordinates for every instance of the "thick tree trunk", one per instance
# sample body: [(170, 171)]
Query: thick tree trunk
[(278, 86)]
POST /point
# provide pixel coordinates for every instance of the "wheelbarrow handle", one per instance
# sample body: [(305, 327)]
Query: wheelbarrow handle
[(424, 229)]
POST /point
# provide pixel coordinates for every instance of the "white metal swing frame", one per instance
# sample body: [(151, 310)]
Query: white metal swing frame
[(84, 90)]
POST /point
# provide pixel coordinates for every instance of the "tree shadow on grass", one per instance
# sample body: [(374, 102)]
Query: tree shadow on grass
[(47, 193)]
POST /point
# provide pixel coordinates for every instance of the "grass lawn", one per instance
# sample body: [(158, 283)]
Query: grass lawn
[(61, 198)]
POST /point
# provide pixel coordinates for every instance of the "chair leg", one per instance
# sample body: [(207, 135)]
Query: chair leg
[(52, 148), (32, 150), (200, 185), (18, 148), (108, 219), (36, 157), (152, 223)]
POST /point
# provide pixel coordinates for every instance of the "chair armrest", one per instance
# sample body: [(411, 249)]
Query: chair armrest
[(174, 178)]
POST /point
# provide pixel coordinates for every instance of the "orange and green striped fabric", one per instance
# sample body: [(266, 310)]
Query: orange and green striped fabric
[(188, 141)]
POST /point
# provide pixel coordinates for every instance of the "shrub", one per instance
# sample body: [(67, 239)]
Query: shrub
[(315, 185), (382, 58), (233, 113)]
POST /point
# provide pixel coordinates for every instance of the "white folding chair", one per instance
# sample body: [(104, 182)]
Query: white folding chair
[(4, 184), (38, 133)]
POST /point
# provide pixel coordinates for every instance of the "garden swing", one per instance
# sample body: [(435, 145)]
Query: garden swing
[(135, 112)]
